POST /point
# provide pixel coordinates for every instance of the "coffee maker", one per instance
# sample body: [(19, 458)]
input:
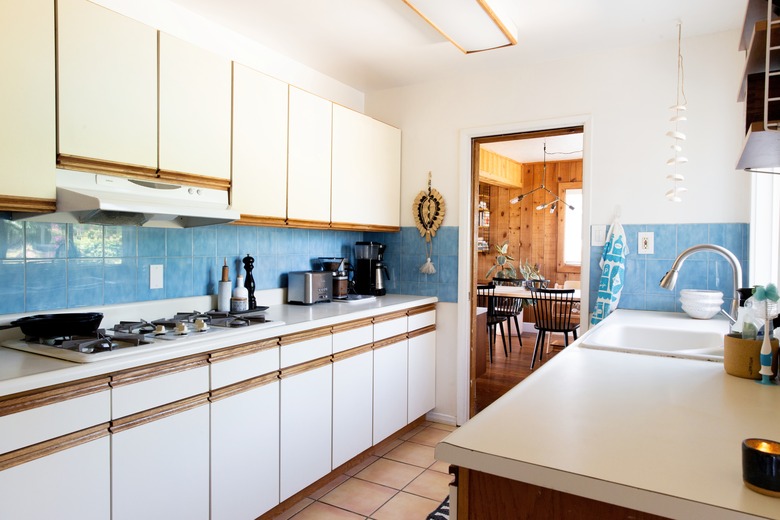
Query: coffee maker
[(370, 270)]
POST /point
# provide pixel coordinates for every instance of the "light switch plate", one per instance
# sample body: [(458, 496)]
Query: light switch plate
[(598, 235), (156, 276), (645, 243)]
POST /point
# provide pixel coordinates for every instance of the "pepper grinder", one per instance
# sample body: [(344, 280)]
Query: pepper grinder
[(249, 282)]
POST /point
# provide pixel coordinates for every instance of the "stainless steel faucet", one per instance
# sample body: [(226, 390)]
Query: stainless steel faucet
[(670, 278)]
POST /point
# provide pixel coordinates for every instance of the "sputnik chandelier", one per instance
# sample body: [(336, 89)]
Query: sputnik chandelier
[(678, 111), (553, 204)]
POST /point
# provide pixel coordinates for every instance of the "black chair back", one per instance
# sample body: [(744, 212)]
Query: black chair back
[(552, 309)]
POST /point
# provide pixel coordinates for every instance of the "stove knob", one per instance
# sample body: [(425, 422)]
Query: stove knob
[(160, 329), (181, 328), (201, 325)]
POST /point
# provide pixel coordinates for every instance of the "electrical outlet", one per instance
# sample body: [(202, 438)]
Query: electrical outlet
[(646, 243), (156, 276)]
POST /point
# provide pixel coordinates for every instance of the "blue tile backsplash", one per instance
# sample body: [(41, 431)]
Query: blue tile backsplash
[(46, 266), (700, 271)]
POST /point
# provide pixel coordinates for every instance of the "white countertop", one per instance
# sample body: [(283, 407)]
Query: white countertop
[(21, 371), (657, 434)]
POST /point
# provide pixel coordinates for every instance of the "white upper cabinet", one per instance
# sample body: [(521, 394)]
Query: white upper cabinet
[(194, 97), (308, 162), (366, 171), (107, 88), (27, 112), (259, 185)]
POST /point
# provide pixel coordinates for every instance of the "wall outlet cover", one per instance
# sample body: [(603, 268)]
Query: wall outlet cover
[(156, 276), (646, 243)]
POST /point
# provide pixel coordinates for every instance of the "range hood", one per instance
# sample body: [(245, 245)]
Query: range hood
[(91, 198), (761, 151)]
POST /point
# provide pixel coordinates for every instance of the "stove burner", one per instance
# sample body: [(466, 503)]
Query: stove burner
[(100, 342), (133, 327)]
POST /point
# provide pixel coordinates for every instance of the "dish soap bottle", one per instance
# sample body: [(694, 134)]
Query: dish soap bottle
[(239, 302)]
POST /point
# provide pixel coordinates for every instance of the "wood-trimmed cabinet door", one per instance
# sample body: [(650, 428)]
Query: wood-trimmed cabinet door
[(308, 160), (422, 372), (259, 184), (107, 90), (72, 479), (306, 421), (160, 463), (390, 386), (366, 172), (245, 449), (352, 403), (195, 112), (27, 106)]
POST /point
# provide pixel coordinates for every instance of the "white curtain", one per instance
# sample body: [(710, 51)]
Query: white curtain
[(765, 230)]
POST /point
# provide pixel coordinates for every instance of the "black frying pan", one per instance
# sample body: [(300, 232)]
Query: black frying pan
[(57, 325)]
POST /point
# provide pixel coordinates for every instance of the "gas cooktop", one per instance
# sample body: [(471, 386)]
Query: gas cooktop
[(131, 337)]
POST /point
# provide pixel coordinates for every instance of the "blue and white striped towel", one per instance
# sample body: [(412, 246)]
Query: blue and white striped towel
[(613, 269)]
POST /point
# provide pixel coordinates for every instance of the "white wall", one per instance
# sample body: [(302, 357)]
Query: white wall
[(627, 93), (624, 97), (177, 21)]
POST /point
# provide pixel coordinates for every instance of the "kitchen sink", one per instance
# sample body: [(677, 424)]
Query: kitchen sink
[(656, 341)]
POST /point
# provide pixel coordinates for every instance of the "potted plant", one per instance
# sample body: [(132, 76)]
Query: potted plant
[(504, 268), (532, 275)]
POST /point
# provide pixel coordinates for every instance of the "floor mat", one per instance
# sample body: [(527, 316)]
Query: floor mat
[(442, 512)]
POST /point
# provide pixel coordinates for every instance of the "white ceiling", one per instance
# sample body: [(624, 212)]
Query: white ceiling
[(559, 148), (378, 44)]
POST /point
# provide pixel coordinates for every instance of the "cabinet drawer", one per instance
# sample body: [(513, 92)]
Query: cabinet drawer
[(148, 387), (244, 362), (33, 417), (390, 325), (422, 319), (351, 335), (300, 348)]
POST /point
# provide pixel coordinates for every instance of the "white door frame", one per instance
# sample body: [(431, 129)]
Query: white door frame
[(466, 231)]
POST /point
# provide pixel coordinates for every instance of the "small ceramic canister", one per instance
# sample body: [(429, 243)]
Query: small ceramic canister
[(742, 357)]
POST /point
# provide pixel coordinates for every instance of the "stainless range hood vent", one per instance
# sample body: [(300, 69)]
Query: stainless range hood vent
[(91, 198), (761, 152)]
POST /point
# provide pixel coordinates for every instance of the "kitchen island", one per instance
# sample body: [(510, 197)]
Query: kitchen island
[(659, 435)]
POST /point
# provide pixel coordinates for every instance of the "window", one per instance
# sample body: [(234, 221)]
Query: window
[(570, 227)]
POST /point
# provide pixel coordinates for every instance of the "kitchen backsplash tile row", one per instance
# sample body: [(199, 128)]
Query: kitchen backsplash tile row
[(700, 271), (406, 253), (46, 266)]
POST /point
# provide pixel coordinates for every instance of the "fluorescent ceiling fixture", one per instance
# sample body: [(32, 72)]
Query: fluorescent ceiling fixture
[(471, 25)]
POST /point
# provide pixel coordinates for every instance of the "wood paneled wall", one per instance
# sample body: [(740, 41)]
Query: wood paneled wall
[(532, 233)]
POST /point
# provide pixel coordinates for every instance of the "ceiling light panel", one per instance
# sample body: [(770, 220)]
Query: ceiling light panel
[(471, 25)]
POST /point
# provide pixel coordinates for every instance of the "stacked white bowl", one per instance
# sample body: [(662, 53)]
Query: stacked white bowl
[(701, 304)]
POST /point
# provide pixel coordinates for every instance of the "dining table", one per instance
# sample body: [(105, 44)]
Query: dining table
[(514, 291)]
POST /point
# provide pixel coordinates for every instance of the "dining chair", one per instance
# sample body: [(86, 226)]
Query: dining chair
[(486, 298), (553, 313), (510, 307)]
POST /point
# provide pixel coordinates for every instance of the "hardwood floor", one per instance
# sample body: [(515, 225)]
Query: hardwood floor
[(507, 371)]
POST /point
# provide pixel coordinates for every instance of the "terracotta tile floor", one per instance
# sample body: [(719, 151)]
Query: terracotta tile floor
[(401, 482)]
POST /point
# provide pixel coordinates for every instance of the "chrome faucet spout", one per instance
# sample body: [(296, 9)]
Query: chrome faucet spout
[(670, 278)]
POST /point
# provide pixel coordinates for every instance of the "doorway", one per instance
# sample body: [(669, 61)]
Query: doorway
[(521, 185)]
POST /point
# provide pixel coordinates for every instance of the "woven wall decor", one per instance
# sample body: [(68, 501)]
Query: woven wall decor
[(428, 209)]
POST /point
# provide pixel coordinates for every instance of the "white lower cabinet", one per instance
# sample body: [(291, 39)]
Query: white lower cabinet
[(160, 467), (352, 403), (71, 484), (245, 449), (422, 372), (390, 386), (306, 401)]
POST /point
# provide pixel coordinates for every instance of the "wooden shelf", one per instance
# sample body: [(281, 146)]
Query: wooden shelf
[(756, 54)]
